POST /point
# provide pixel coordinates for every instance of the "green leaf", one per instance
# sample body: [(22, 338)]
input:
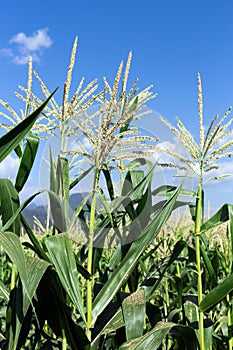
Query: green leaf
[(30, 273), (123, 271), (77, 211), (151, 340), (131, 110), (230, 234), (11, 244), (57, 212), (167, 190), (125, 203), (104, 202), (217, 294), (109, 183), (35, 270), (21, 300), (190, 308), (111, 320), (134, 308), (144, 208), (138, 162), (208, 265), (65, 179), (4, 292), (81, 177), (10, 141), (27, 161), (188, 335), (63, 258), (150, 290), (222, 215), (18, 151), (9, 204), (53, 181), (51, 307), (132, 179), (36, 244), (154, 338), (133, 106), (8, 224)]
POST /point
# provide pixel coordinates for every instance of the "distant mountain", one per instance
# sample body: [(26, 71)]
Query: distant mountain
[(40, 211)]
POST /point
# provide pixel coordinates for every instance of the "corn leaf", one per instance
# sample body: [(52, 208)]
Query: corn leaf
[(17, 329), (217, 294), (27, 161), (123, 271), (63, 259), (151, 340), (81, 177), (110, 320), (38, 249), (20, 208), (134, 307), (57, 211), (10, 141), (65, 180), (4, 292), (222, 215), (150, 290), (51, 307), (167, 190), (109, 183), (9, 205)]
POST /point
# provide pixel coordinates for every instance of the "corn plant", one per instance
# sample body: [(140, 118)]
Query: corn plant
[(83, 298), (204, 156), (131, 283)]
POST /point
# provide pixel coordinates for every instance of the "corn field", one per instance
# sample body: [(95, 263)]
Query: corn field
[(118, 272)]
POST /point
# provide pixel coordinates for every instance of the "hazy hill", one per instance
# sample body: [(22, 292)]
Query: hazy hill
[(40, 211)]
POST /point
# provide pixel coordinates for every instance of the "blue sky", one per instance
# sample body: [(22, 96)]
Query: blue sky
[(171, 42)]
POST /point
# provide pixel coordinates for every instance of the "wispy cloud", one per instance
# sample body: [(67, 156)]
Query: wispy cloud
[(24, 46), (7, 52)]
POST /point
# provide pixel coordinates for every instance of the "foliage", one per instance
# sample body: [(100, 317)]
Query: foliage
[(137, 282)]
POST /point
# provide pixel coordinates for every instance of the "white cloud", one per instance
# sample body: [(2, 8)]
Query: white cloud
[(8, 167), (35, 42), (25, 46)]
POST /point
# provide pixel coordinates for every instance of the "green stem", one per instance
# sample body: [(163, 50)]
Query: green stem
[(198, 262), (229, 323), (167, 304), (13, 276), (64, 342), (90, 249)]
